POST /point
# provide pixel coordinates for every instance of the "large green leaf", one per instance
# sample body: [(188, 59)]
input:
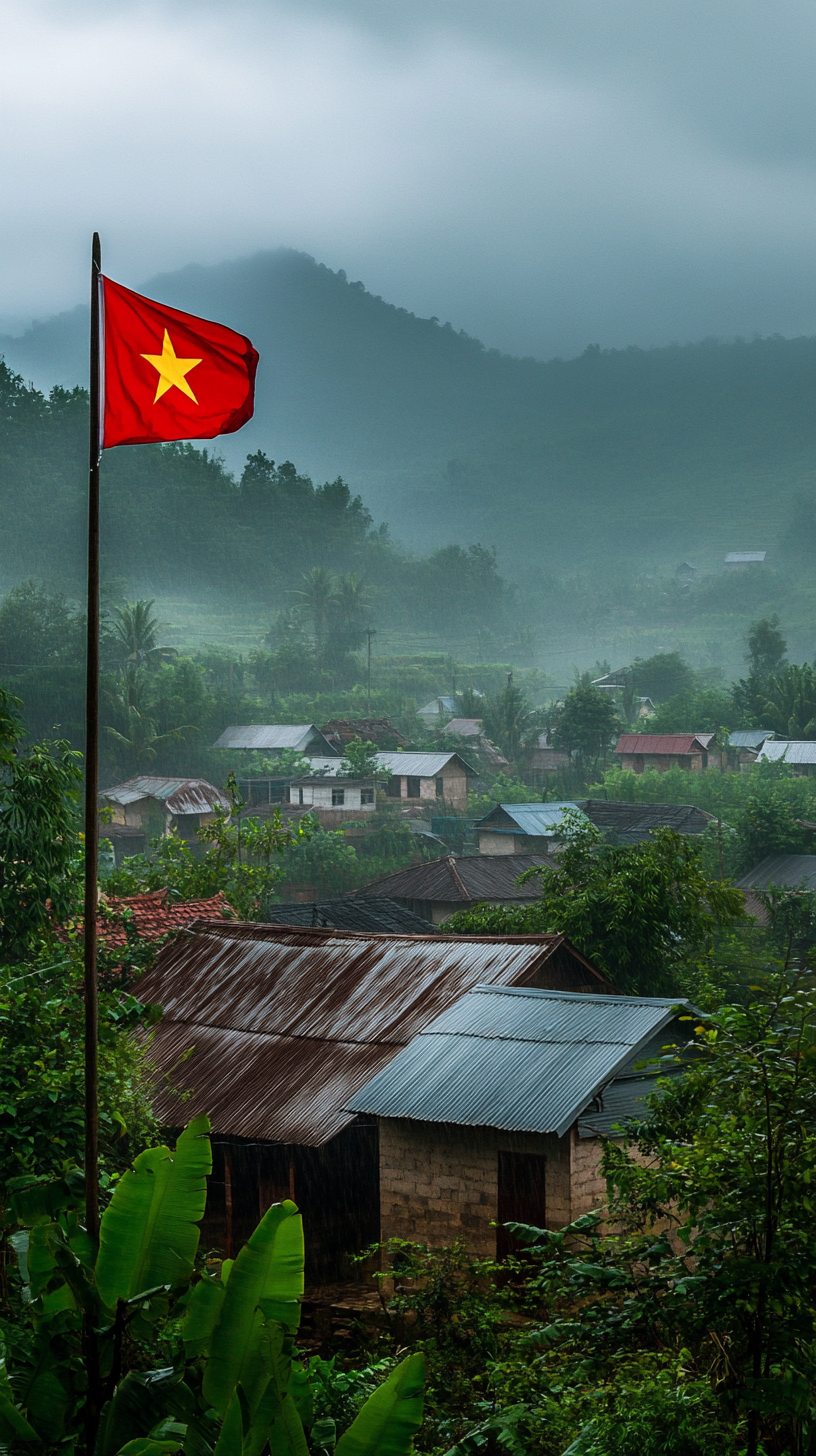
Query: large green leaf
[(266, 1281), (203, 1308), (391, 1417), (149, 1232), (231, 1440), (140, 1402)]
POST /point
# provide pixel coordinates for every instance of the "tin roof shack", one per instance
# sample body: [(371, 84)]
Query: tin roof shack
[(495, 1110), (548, 760), (741, 559), (437, 709), (524, 828), (334, 800), (800, 755), (419, 778), (157, 806), (744, 745), (381, 731), (624, 823), (302, 738), (283, 1026), (378, 914), (437, 889), (694, 751)]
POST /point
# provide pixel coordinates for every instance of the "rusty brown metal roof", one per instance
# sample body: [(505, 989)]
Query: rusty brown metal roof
[(284, 1025), (465, 878)]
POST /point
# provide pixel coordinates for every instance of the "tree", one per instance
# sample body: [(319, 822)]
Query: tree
[(508, 719), (135, 631), (767, 648), (661, 676), (38, 627), (711, 1267), (319, 595), (787, 702), (138, 745), (647, 916), (361, 761), (585, 722)]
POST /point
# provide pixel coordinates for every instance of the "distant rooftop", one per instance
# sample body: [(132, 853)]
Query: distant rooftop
[(744, 558), (802, 751), (275, 736), (789, 871)]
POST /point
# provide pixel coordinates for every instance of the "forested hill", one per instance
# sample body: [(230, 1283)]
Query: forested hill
[(679, 451)]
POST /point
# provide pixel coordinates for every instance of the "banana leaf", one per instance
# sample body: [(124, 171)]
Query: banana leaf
[(149, 1232), (391, 1417), (13, 1424), (231, 1440), (141, 1401), (265, 1282), (203, 1308), (276, 1418)]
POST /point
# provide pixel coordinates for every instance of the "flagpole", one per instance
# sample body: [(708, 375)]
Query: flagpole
[(92, 777)]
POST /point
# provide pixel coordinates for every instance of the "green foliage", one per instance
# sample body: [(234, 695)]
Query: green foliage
[(509, 721), (585, 722), (360, 762), (647, 916), (696, 710), (231, 1388), (503, 790), (325, 860), (241, 862), (660, 677), (767, 648)]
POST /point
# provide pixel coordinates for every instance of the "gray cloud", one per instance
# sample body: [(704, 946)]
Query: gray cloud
[(543, 176)]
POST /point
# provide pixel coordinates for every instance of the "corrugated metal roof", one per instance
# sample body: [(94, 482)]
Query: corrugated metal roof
[(736, 558), (522, 1060), (466, 879), (796, 752), (179, 796), (272, 735), (413, 765), (664, 742), (632, 823), (537, 820), (790, 870), (287, 1025), (437, 706), (465, 727), (372, 913), (749, 737)]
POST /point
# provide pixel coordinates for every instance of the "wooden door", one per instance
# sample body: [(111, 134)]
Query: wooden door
[(522, 1196)]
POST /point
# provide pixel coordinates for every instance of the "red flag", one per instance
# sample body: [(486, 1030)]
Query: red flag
[(169, 375)]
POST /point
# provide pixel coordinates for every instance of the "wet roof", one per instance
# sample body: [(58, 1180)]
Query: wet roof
[(749, 737), (414, 765), (791, 871), (664, 742), (797, 752), (286, 1025), (373, 913), (179, 796), (272, 735), (465, 878), (632, 823), (736, 557), (517, 1058), (533, 819)]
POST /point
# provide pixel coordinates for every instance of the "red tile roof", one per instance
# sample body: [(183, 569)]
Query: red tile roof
[(153, 916), (673, 743)]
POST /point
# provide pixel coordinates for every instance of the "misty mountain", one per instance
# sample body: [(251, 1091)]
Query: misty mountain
[(662, 453)]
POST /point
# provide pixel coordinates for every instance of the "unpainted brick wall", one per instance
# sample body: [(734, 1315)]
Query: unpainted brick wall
[(439, 1182)]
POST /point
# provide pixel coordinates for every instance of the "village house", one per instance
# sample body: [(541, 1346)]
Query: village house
[(303, 738), (524, 828), (273, 1030), (623, 823), (744, 746), (339, 798), (783, 872), (641, 751), (418, 778), (145, 808), (437, 889), (800, 755), (381, 731), (437, 709), (496, 1110), (545, 759)]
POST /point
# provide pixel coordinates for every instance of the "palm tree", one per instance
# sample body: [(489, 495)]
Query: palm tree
[(319, 595), (139, 742), (135, 630)]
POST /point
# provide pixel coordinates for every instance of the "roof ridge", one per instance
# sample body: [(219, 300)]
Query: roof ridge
[(457, 878)]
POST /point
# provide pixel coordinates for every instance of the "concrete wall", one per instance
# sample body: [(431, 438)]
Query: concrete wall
[(439, 1182)]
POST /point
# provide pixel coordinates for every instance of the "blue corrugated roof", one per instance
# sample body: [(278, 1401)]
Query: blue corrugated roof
[(533, 819), (518, 1059), (749, 737)]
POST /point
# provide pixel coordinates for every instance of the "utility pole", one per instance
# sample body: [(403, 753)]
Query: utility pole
[(370, 632)]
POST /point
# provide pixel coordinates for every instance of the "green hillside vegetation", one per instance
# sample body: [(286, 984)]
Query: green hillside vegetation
[(664, 452)]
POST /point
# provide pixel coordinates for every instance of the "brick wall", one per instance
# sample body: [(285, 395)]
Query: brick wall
[(588, 1185), (440, 1182)]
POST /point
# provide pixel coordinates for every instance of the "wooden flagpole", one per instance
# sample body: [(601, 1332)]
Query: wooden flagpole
[(92, 777)]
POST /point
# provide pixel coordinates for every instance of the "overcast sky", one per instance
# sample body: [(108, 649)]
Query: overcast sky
[(543, 173)]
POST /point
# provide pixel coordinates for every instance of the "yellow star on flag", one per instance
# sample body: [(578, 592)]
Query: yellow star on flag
[(172, 371)]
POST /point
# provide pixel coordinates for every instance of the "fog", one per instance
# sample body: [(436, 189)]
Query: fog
[(543, 176)]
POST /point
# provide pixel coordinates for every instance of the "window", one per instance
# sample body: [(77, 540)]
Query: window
[(393, 787), (300, 796), (521, 1196), (366, 796), (440, 788), (413, 789), (338, 798)]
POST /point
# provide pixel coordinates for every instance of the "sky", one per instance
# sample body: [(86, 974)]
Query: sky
[(544, 174)]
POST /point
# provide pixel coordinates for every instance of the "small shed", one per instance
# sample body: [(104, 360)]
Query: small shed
[(302, 738), (495, 1110), (735, 560), (641, 751), (801, 755), (157, 806), (685, 573), (524, 828), (437, 889), (436, 709)]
